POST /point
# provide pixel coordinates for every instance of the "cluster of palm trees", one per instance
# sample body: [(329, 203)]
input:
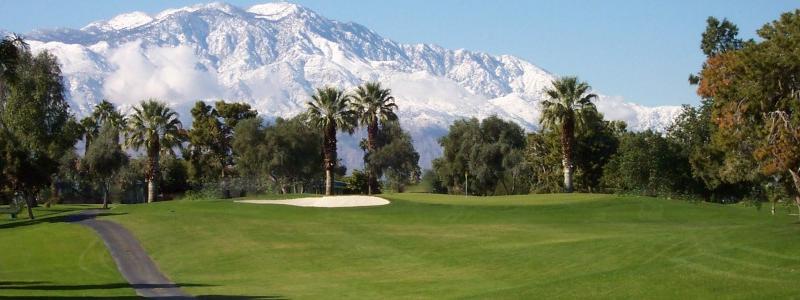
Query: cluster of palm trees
[(152, 127), (333, 110), (156, 129)]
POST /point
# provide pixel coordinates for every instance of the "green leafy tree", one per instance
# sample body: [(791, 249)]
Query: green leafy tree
[(250, 148), (374, 105), (174, 174), (650, 164), (210, 151), (286, 153), (719, 37), (154, 127), (596, 141), (543, 155), (756, 104), (355, 183), (453, 166), (394, 157), (231, 114), (480, 157), (568, 102), (330, 111), (11, 48), (104, 158), (206, 151), (293, 153), (35, 123)]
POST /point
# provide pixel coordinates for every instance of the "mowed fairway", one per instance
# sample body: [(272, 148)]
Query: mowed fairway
[(423, 246), (436, 246), (49, 258)]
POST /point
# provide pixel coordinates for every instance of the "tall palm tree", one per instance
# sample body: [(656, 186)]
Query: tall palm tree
[(568, 100), (156, 128), (373, 104), (330, 112)]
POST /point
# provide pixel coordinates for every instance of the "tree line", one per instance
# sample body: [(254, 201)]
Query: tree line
[(742, 143), (228, 145)]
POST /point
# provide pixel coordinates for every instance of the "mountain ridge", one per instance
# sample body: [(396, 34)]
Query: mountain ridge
[(273, 55)]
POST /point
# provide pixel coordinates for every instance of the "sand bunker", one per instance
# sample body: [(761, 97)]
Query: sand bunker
[(332, 201)]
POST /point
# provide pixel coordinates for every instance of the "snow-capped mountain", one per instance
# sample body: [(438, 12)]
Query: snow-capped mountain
[(273, 56)]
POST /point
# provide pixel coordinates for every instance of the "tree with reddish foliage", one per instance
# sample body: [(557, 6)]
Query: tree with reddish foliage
[(756, 101)]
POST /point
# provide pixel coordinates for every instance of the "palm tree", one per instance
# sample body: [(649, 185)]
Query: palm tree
[(373, 104), (330, 111), (156, 128), (568, 101), (104, 113)]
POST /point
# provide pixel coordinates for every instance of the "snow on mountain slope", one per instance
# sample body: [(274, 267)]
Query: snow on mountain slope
[(273, 55)]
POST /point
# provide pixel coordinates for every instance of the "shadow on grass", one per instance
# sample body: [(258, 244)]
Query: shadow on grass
[(52, 218), (43, 286), (2, 283), (31, 285), (210, 297)]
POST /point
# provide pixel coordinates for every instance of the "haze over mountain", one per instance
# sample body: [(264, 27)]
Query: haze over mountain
[(273, 56)]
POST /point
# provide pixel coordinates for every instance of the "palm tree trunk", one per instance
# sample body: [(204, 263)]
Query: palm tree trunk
[(328, 182), (152, 182), (151, 190), (372, 136), (567, 137), (329, 158)]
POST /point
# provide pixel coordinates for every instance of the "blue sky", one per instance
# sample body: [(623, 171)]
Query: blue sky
[(640, 50)]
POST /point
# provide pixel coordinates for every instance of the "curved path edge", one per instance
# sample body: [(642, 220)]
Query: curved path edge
[(132, 261)]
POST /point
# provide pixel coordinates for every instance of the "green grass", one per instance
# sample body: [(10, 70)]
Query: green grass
[(437, 246), (48, 257)]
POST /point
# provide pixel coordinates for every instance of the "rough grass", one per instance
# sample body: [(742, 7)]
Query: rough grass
[(437, 246)]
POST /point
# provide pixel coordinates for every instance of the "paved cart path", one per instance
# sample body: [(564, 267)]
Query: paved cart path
[(132, 261)]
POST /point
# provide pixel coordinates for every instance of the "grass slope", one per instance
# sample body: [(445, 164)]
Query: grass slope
[(47, 257), (436, 246)]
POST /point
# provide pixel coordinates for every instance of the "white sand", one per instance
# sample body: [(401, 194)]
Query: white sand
[(331, 201)]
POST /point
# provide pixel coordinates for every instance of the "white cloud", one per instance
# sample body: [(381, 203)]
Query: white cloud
[(171, 74)]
